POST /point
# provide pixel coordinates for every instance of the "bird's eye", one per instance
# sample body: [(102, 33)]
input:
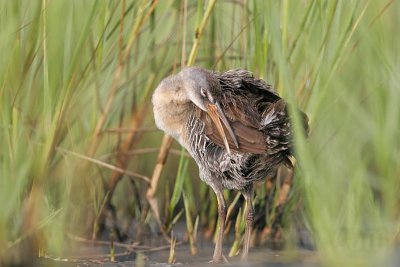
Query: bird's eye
[(203, 92)]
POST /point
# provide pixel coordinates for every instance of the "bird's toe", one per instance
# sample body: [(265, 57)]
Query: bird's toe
[(219, 260)]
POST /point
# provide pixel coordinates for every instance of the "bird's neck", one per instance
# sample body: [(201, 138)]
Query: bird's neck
[(172, 108)]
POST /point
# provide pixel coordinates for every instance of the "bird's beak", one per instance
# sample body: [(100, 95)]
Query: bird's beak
[(217, 115)]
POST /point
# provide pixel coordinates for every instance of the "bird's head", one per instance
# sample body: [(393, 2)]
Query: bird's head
[(200, 86), (203, 89)]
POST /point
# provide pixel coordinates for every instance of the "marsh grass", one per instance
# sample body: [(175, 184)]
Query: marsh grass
[(71, 72)]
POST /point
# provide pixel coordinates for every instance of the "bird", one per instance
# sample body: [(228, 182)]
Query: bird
[(236, 128)]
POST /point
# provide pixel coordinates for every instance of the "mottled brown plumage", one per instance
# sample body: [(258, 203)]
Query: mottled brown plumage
[(235, 127)]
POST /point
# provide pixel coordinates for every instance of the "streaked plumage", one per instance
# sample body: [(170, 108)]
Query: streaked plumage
[(234, 126)]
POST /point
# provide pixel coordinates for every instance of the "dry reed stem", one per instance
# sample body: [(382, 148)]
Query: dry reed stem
[(122, 156), (230, 44), (105, 164), (162, 157), (285, 188), (131, 247), (130, 130), (378, 16), (144, 151), (199, 32), (184, 19), (171, 257), (175, 152), (84, 259)]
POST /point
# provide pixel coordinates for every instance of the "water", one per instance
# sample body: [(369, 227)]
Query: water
[(154, 251), (86, 254)]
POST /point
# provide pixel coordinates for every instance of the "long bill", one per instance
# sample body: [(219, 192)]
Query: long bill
[(217, 115)]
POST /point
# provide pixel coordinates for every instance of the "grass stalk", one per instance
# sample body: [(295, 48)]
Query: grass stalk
[(199, 32), (172, 257), (238, 235), (191, 229)]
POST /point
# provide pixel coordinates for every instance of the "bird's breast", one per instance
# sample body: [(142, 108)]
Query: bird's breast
[(170, 119)]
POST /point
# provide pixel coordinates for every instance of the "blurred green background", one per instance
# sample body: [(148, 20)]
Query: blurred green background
[(76, 78)]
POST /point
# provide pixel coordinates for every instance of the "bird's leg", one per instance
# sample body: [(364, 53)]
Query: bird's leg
[(221, 229), (248, 195)]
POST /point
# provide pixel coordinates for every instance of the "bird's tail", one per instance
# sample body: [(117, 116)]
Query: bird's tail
[(276, 125)]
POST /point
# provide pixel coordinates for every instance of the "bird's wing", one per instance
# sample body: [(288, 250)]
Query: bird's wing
[(245, 102), (249, 138)]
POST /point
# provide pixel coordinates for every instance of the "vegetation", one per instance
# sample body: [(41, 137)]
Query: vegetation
[(77, 136)]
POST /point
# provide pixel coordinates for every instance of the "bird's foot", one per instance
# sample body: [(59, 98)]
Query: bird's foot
[(244, 257), (221, 259)]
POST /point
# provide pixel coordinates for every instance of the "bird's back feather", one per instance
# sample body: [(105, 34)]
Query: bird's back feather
[(258, 116)]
